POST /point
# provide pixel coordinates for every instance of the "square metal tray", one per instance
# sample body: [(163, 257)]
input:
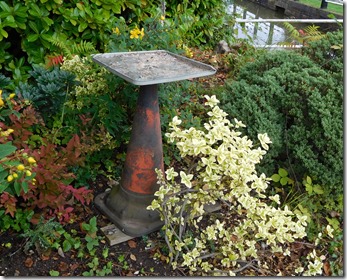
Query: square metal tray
[(152, 67)]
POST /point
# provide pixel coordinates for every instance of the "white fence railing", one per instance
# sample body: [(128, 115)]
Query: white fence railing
[(240, 20)]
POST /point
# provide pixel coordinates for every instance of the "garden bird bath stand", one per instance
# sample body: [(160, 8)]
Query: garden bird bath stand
[(126, 204)]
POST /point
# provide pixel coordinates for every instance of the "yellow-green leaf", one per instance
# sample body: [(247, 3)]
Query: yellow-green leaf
[(276, 178), (282, 172)]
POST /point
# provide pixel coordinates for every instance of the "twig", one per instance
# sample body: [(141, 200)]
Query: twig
[(194, 165), (181, 229), (248, 265), (305, 243), (208, 256), (181, 271)]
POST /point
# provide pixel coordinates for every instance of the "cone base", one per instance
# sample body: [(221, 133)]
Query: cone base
[(128, 211)]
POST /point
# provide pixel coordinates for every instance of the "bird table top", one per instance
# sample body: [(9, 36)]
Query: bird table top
[(152, 67)]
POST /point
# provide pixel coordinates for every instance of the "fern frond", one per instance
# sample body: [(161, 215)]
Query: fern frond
[(312, 33), (83, 47), (63, 45), (293, 32), (70, 48)]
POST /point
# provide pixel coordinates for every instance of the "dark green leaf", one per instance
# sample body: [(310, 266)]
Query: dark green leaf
[(6, 149)]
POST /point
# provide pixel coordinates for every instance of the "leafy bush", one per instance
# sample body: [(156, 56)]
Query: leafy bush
[(41, 32), (34, 173), (328, 53), (28, 32), (155, 33), (200, 23), (221, 169), (48, 90), (299, 105)]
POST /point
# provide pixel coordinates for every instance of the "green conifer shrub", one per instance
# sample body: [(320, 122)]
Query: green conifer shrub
[(300, 105), (328, 53)]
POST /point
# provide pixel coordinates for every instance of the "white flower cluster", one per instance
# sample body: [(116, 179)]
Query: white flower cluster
[(225, 167), (91, 82)]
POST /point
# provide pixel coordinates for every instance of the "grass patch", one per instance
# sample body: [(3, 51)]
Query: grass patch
[(334, 8)]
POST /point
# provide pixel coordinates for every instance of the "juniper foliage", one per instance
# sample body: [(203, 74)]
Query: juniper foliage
[(299, 103)]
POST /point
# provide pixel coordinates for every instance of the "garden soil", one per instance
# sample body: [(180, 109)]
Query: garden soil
[(139, 256)]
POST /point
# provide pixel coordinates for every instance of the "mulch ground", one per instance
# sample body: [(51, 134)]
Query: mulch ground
[(139, 256)]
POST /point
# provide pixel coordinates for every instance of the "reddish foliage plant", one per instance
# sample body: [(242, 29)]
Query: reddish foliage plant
[(52, 193)]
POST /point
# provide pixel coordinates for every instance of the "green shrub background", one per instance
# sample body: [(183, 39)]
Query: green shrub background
[(298, 100)]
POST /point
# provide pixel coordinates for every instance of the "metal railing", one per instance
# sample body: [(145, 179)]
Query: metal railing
[(241, 20)]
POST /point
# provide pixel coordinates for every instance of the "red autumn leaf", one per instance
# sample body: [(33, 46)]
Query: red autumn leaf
[(9, 202)]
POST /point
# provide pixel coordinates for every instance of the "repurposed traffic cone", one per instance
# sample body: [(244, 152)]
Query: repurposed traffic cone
[(125, 205)]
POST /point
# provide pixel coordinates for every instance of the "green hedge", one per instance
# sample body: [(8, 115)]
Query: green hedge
[(299, 103), (30, 29), (39, 31)]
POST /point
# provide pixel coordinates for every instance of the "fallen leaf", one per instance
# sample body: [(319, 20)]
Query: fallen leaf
[(60, 252), (133, 257), (129, 274), (63, 266), (163, 258), (74, 266), (234, 238), (132, 243), (326, 268), (29, 262), (334, 214), (45, 258)]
